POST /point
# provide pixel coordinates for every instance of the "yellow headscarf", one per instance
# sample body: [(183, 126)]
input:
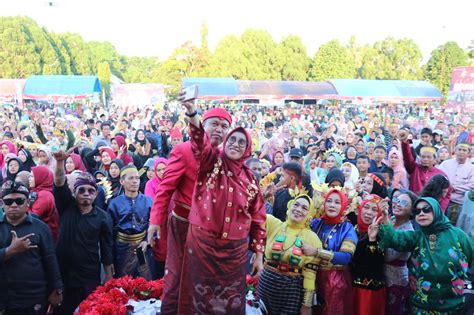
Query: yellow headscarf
[(309, 216)]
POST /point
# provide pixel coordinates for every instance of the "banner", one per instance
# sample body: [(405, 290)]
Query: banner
[(461, 90)]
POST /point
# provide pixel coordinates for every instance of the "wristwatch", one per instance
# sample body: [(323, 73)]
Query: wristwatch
[(192, 114)]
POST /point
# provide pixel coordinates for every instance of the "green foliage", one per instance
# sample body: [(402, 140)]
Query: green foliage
[(332, 61), (294, 59), (18, 57), (139, 69), (391, 59), (441, 64), (104, 74), (27, 49)]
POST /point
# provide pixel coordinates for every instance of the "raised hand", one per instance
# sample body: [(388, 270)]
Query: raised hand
[(403, 135), (60, 156), (20, 244), (373, 229)]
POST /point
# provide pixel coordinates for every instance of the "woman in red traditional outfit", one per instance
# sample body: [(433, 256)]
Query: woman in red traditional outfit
[(227, 217)]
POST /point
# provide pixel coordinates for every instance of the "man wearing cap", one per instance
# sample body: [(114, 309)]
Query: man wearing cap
[(177, 186), (130, 214), (176, 137), (85, 236), (29, 271), (421, 173), (461, 176)]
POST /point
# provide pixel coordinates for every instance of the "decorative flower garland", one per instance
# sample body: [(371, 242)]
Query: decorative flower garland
[(112, 297)]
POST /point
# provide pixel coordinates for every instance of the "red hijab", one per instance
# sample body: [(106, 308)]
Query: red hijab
[(43, 178), (112, 155), (344, 204), (122, 153), (361, 226), (236, 166), (78, 164)]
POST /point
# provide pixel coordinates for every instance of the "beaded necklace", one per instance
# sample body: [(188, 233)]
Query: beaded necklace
[(278, 250)]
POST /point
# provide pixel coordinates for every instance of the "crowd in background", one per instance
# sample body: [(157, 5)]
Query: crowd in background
[(328, 178)]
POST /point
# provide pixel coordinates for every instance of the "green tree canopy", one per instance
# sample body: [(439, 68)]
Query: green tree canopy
[(394, 59), (294, 59), (441, 64), (332, 61)]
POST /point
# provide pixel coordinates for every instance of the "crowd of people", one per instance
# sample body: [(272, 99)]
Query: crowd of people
[(335, 209)]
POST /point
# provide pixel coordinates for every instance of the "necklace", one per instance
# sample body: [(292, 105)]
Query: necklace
[(328, 236)]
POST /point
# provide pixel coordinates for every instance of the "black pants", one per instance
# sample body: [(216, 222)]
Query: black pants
[(159, 269), (73, 296), (39, 309)]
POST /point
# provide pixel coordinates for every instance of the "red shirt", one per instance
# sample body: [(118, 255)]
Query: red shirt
[(179, 179), (227, 203), (420, 176)]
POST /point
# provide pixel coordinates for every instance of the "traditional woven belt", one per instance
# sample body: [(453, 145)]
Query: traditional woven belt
[(131, 238), (181, 211), (332, 267), (283, 269)]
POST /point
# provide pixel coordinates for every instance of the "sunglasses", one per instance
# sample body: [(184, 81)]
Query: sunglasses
[(403, 203), (341, 143), (83, 190), (426, 209), (10, 201)]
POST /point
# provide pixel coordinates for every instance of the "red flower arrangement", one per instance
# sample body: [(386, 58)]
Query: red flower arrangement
[(111, 298)]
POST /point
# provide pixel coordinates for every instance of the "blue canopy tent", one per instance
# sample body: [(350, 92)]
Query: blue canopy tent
[(289, 90), (396, 90), (213, 88), (64, 87), (230, 89)]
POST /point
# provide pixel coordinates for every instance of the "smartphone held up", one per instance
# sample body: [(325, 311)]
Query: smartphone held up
[(190, 93)]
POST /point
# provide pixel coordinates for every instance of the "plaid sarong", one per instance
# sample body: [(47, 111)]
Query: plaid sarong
[(282, 294)]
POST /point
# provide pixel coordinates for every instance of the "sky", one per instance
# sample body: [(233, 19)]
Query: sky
[(156, 27)]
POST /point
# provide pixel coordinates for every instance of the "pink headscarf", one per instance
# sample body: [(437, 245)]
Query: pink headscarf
[(151, 186), (10, 145), (399, 155)]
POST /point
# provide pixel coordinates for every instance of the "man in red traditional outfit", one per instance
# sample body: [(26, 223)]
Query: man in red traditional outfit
[(177, 187)]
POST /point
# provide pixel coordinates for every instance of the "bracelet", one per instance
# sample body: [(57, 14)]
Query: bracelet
[(192, 114)]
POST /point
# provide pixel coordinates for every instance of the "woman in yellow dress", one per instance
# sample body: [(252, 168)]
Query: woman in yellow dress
[(287, 283)]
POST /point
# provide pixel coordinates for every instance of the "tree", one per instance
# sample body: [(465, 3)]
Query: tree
[(392, 59), (106, 52), (104, 74), (441, 64), (140, 69), (356, 52), (185, 61), (229, 60), (262, 54), (470, 53), (294, 59), (50, 62), (18, 56), (332, 61), (79, 53)]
